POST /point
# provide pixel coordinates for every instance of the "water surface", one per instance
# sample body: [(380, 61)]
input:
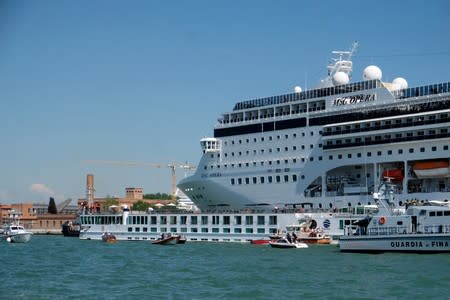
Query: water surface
[(57, 267)]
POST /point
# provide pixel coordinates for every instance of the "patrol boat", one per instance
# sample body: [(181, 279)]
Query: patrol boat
[(423, 228)]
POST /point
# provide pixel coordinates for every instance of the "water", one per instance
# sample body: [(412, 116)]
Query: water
[(55, 267)]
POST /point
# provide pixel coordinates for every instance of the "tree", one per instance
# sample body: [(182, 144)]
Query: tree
[(52, 206), (158, 196), (111, 201), (140, 206)]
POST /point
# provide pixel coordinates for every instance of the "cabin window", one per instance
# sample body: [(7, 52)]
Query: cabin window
[(273, 220)]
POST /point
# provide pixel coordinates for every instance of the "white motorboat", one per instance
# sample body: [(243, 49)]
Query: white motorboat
[(16, 234), (285, 243)]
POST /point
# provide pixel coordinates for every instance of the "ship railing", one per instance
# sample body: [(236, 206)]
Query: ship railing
[(437, 228), (387, 230)]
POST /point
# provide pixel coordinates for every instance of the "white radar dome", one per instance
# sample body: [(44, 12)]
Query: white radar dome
[(340, 78), (297, 89), (371, 73), (400, 82)]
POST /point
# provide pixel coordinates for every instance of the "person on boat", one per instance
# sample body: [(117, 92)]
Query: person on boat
[(288, 237), (294, 237)]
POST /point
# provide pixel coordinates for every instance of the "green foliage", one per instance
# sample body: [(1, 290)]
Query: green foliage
[(52, 206), (111, 201), (158, 196), (140, 206)]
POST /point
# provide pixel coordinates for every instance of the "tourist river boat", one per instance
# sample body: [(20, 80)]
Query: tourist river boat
[(220, 226), (422, 228)]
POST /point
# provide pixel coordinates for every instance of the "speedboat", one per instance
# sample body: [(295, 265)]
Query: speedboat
[(16, 234), (284, 243), (167, 239), (109, 238)]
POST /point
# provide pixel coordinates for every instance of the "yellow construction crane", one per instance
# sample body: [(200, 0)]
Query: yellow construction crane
[(172, 166)]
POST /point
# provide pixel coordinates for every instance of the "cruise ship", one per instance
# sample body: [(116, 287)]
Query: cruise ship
[(327, 148)]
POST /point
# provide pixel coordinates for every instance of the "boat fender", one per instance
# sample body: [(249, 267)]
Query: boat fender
[(382, 220)]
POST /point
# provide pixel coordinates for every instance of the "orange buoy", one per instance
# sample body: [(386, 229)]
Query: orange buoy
[(382, 220)]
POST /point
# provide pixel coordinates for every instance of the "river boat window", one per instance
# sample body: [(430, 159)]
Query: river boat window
[(194, 220), (249, 220), (204, 229), (226, 220), (237, 220), (248, 230), (204, 220), (163, 220), (226, 230), (237, 230), (130, 229), (260, 220), (273, 220)]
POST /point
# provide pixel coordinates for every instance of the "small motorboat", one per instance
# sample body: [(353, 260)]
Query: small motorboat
[(314, 237), (285, 243), (16, 234), (167, 239), (109, 238), (71, 229)]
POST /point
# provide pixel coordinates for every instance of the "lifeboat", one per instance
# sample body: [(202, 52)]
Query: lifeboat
[(396, 175), (432, 169)]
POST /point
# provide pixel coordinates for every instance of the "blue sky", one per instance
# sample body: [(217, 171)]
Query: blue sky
[(145, 80)]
